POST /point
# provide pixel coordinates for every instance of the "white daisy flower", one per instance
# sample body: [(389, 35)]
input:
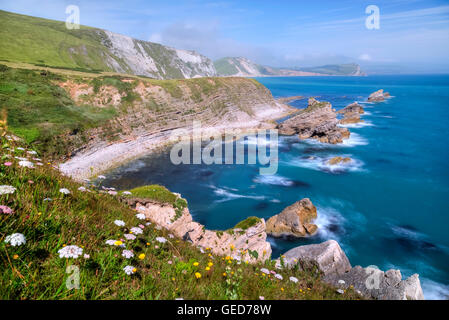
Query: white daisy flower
[(148, 223), (64, 191), (111, 242), (129, 270), (278, 276), (112, 193), (141, 216), (82, 189), (32, 152), (265, 270), (101, 177), (21, 158), (16, 239), (128, 254), (26, 164), (126, 193), (136, 230), (293, 279), (161, 239), (4, 189), (119, 223), (70, 252), (20, 148), (86, 256), (129, 236)]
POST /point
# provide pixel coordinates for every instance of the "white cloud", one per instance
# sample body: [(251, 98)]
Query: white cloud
[(365, 57)]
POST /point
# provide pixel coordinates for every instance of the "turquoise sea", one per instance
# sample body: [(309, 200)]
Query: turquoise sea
[(389, 207)]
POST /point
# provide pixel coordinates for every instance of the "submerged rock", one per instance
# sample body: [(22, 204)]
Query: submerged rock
[(378, 96), (318, 121), (338, 160), (295, 220)]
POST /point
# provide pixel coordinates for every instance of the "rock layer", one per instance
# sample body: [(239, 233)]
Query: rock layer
[(248, 243), (295, 220), (378, 96), (351, 113), (318, 121)]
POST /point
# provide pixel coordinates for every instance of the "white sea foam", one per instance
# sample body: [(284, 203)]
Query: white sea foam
[(228, 195), (328, 220), (354, 140), (274, 180), (434, 290), (357, 125)]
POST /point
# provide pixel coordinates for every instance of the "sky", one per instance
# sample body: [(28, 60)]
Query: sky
[(413, 35)]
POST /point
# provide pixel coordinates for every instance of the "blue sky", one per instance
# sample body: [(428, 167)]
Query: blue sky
[(413, 34)]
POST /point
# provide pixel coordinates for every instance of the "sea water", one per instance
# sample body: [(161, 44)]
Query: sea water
[(388, 207)]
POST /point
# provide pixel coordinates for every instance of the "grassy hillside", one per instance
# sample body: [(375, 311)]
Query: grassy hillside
[(53, 213), (335, 69), (49, 43)]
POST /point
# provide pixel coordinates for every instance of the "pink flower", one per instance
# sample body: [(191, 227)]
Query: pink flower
[(6, 210), (8, 164), (141, 226)]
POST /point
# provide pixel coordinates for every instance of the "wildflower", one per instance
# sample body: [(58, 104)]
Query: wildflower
[(161, 240), (196, 264), (119, 223), (101, 177), (48, 199), (111, 242), (224, 274), (86, 256), (156, 247), (129, 236), (282, 289), (141, 256), (278, 276), (26, 164), (197, 275), (70, 252), (20, 149), (141, 216), (265, 270), (15, 239), (171, 236), (129, 270), (293, 279), (30, 181), (148, 223), (82, 189), (64, 191), (136, 230), (261, 298), (8, 164), (128, 254), (32, 152), (340, 291), (4, 189), (15, 257), (141, 226), (126, 193), (118, 243), (112, 193), (6, 210), (207, 268), (169, 262), (210, 264)]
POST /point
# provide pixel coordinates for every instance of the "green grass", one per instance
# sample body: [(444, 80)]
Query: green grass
[(247, 223), (154, 192), (334, 69), (34, 270)]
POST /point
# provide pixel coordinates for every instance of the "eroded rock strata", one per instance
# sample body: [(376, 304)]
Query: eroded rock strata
[(378, 96), (351, 113), (318, 121), (295, 220)]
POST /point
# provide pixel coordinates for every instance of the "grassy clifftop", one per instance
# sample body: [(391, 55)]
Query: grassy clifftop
[(47, 214)]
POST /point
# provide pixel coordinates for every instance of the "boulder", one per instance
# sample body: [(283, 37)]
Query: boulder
[(377, 284), (378, 96), (352, 108), (327, 257), (318, 121), (295, 220), (338, 160)]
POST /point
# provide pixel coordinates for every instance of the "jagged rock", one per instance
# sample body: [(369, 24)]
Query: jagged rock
[(317, 121), (295, 220), (247, 243), (326, 257), (351, 118), (378, 96), (352, 108), (351, 113), (338, 160), (374, 283)]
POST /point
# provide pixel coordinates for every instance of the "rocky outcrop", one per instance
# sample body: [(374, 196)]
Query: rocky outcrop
[(330, 260), (326, 257), (246, 242), (318, 121), (374, 283), (351, 113), (378, 96), (295, 220), (338, 160)]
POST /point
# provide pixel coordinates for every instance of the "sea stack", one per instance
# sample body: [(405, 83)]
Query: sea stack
[(378, 96)]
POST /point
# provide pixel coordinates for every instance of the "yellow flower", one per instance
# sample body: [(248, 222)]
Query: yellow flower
[(39, 213), (232, 247), (197, 275), (209, 255), (224, 274), (229, 261), (228, 258), (141, 256), (282, 289), (118, 243), (15, 257), (210, 264), (134, 270), (196, 264), (207, 268), (64, 245), (173, 278), (148, 243)]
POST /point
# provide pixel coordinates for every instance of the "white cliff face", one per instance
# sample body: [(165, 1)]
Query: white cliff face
[(129, 55), (245, 67)]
